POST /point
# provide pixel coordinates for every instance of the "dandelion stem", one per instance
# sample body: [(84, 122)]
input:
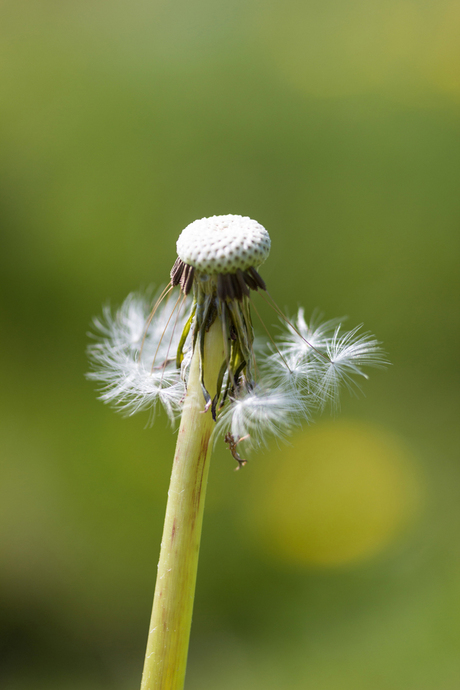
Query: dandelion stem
[(169, 632)]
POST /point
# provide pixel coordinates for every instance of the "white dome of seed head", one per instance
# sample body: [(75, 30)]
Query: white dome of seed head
[(224, 244)]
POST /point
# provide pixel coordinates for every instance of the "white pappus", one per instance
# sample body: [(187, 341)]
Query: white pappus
[(136, 372)]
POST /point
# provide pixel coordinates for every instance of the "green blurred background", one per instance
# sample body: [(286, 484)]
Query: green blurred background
[(331, 563)]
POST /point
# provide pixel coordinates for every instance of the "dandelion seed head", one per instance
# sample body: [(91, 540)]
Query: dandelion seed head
[(223, 244), (142, 358)]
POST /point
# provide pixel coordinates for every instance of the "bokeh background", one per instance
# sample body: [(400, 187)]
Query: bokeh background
[(327, 564)]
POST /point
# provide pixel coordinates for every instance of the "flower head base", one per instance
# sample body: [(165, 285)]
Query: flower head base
[(143, 359), (221, 253), (223, 244)]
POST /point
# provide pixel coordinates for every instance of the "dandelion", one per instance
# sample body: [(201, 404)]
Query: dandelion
[(195, 355)]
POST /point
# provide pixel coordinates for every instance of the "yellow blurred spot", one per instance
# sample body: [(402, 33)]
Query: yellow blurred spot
[(343, 492)]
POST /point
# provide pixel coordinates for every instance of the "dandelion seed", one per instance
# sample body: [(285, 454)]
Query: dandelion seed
[(347, 352), (322, 358), (257, 414), (127, 381)]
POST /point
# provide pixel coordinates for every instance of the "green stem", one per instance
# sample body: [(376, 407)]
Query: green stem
[(167, 645)]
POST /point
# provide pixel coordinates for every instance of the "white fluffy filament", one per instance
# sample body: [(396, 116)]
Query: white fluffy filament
[(311, 363), (128, 380)]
